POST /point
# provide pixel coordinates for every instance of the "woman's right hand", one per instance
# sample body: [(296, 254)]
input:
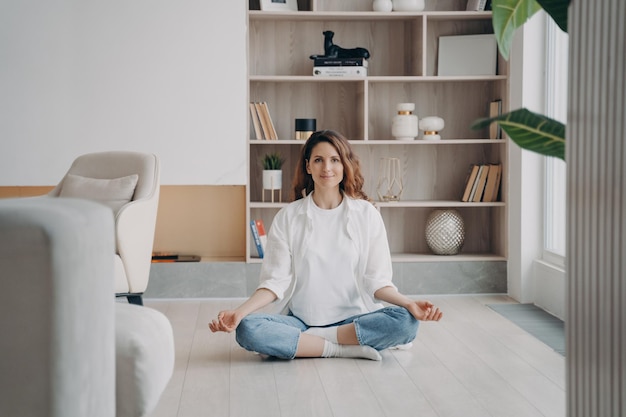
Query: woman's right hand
[(226, 321)]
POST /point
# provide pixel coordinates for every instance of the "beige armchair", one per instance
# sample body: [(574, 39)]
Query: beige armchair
[(128, 183)]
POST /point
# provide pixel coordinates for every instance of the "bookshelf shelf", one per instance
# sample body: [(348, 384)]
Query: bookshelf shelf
[(322, 16), (304, 78), (436, 204), (373, 79), (435, 78), (425, 257), (418, 142), (256, 204), (381, 142), (399, 204), (402, 68)]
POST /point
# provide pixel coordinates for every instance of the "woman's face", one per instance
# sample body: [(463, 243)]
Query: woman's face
[(325, 166)]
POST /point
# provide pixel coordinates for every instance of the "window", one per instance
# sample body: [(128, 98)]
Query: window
[(556, 108)]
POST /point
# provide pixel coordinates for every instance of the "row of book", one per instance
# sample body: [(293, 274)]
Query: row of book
[(259, 236), (483, 183), (262, 121), (340, 67)]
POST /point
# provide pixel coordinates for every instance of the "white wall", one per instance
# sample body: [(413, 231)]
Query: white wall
[(150, 75)]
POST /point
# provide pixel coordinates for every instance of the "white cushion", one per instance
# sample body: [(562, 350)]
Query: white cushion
[(144, 345), (113, 193)]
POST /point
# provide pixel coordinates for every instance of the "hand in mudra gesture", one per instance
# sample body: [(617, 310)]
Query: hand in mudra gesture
[(226, 321), (424, 310)]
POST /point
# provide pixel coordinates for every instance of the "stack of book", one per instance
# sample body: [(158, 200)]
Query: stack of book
[(340, 67), (262, 121), (483, 183)]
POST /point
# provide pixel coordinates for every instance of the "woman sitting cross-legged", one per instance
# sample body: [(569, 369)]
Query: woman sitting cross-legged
[(327, 267)]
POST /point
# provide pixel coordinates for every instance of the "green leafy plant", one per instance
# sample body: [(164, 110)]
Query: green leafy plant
[(532, 131), (272, 161)]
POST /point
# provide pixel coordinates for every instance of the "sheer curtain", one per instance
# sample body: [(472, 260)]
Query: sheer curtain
[(556, 108)]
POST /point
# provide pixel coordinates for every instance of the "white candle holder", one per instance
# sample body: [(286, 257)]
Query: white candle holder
[(431, 126)]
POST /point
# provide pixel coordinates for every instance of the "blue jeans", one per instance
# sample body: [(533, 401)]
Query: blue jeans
[(278, 335)]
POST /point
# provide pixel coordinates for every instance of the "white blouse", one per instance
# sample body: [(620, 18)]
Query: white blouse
[(327, 292), (289, 243)]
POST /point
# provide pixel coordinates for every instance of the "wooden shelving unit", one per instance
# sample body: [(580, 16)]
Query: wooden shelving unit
[(402, 68)]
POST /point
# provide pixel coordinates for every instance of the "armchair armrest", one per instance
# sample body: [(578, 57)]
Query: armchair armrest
[(56, 298)]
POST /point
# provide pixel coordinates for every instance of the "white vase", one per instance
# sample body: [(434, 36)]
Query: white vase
[(382, 5), (404, 124), (272, 179), (408, 5)]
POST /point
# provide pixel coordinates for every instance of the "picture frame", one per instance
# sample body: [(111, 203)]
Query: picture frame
[(279, 5), (467, 55)]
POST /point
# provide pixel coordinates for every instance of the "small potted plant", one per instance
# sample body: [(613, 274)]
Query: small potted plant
[(272, 173)]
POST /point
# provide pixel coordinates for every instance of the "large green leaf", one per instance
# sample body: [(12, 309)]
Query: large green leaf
[(508, 15), (557, 9), (531, 131)]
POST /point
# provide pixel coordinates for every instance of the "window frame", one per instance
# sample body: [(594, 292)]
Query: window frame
[(554, 239)]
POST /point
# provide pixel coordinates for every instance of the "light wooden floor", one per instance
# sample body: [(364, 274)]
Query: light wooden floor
[(472, 363)]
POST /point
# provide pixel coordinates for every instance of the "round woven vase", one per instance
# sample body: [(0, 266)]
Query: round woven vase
[(445, 232)]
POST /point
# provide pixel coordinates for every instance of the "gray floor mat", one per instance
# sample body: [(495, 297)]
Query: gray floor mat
[(541, 324)]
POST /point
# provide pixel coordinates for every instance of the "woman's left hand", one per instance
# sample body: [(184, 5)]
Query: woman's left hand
[(420, 309), (424, 310)]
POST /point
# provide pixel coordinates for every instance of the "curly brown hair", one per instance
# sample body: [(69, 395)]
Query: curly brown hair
[(352, 183)]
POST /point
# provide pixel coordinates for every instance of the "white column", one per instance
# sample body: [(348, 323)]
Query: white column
[(596, 224)]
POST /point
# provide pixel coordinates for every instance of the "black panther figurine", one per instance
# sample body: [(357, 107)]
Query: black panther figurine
[(335, 51)]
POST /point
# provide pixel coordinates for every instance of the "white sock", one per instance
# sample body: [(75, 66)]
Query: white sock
[(328, 333), (405, 346), (333, 350)]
